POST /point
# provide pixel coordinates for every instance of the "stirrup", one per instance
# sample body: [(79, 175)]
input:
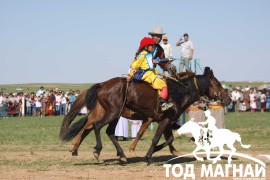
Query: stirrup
[(165, 106)]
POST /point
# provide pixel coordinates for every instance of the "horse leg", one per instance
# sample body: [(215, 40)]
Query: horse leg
[(221, 152), (194, 153), (233, 151), (96, 114), (169, 139), (140, 133), (112, 119), (110, 132), (78, 140), (161, 128)]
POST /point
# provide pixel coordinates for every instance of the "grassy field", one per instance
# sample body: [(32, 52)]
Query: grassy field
[(32, 144)]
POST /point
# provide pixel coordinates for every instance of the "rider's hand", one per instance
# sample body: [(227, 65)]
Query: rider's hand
[(162, 74), (155, 61), (129, 78)]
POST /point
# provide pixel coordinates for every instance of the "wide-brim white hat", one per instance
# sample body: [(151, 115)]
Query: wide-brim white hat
[(156, 30)]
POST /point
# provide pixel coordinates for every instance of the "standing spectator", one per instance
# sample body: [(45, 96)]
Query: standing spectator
[(236, 96), (28, 105), (51, 103), (63, 104), (38, 105), (267, 101), (257, 99), (40, 91), (121, 129), (43, 101), (252, 99), (135, 127), (166, 47), (187, 51), (1, 101), (262, 101), (3, 106), (72, 99), (246, 99), (11, 103), (58, 99)]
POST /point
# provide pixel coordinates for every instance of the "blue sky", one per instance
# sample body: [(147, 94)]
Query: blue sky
[(92, 41)]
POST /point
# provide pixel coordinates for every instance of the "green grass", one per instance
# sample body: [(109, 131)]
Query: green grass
[(36, 134)]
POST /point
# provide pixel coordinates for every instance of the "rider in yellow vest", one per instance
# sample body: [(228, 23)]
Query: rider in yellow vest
[(142, 68)]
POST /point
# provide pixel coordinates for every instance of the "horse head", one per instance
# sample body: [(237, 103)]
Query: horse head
[(216, 91), (188, 127)]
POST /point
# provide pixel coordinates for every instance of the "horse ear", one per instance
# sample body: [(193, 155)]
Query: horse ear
[(192, 119), (208, 72)]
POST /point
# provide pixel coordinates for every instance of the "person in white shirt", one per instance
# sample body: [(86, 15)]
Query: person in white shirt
[(58, 99), (40, 91), (63, 105), (121, 129), (187, 50), (166, 47), (263, 101)]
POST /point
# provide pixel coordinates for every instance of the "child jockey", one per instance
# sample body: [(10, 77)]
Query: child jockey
[(142, 68)]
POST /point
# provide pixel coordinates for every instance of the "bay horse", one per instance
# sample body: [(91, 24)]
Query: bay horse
[(127, 113), (106, 100)]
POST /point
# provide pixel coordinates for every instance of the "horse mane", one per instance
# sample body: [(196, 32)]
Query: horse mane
[(178, 90)]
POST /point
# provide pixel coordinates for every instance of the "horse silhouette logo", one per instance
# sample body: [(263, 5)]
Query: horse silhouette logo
[(210, 137)]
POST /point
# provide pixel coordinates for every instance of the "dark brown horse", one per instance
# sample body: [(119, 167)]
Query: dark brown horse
[(105, 101), (130, 115)]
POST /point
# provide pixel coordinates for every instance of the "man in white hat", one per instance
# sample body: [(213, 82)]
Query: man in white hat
[(158, 54)]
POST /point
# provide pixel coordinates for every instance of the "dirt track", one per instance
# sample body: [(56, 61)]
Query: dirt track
[(61, 165)]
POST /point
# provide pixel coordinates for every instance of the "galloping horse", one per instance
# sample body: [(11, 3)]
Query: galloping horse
[(132, 115), (106, 101)]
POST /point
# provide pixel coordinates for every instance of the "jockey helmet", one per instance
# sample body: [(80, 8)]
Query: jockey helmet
[(146, 41)]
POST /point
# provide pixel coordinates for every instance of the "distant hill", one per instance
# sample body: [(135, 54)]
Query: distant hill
[(7, 88)]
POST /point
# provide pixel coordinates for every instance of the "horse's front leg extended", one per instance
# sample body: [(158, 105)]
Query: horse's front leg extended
[(140, 133), (161, 128), (194, 153), (221, 152), (169, 139)]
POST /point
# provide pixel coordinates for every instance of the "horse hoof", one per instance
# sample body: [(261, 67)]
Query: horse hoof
[(175, 153), (75, 153), (96, 155), (123, 159), (149, 161), (71, 148), (131, 150), (200, 159)]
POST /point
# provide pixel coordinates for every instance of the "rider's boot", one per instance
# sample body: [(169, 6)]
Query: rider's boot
[(165, 105)]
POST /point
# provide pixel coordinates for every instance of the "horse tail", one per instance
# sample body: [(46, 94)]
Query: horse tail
[(91, 97), (75, 128), (238, 138), (81, 101)]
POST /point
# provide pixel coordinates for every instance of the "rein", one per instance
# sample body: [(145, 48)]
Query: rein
[(124, 102)]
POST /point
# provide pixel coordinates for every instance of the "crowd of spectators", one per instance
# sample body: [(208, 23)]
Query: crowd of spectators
[(42, 103), (249, 99), (58, 103)]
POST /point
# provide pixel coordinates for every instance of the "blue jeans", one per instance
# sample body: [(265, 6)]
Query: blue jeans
[(62, 109), (267, 106), (184, 62), (28, 111)]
